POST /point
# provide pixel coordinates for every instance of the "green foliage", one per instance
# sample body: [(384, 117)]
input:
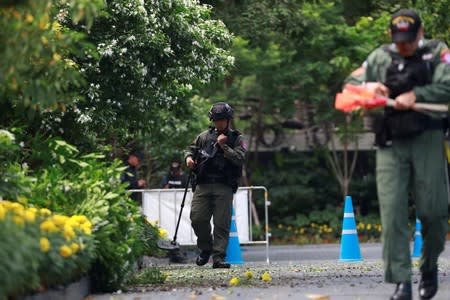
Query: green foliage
[(35, 73), (89, 185), (173, 137), (148, 276), (70, 182), (323, 226), (297, 183), (13, 179), (435, 18), (149, 59)]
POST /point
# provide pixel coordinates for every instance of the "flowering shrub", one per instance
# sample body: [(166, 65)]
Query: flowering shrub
[(13, 179), (40, 249), (304, 230), (148, 58), (35, 48), (90, 185), (70, 183), (324, 226)]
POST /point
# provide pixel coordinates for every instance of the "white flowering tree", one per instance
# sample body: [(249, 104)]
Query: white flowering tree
[(150, 58)]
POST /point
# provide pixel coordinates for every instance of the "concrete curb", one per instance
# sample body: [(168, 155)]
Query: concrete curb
[(74, 291)]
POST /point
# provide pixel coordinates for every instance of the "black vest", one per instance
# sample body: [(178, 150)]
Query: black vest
[(402, 75), (216, 167)]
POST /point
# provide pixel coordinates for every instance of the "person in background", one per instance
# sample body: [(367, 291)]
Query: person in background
[(175, 178), (129, 175), (410, 157)]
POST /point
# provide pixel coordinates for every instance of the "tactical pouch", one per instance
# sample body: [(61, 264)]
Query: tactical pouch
[(407, 124), (193, 182), (381, 130)]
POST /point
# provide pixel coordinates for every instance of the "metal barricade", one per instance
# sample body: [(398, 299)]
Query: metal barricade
[(163, 205)]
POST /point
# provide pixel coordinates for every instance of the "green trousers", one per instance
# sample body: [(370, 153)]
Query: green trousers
[(212, 200), (415, 168)]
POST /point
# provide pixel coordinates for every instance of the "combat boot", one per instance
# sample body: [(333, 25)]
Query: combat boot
[(203, 258), (428, 284), (402, 292), (220, 263)]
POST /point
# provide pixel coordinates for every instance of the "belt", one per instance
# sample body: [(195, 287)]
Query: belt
[(435, 124), (211, 180)]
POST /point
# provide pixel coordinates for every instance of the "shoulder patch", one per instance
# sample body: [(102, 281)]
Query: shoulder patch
[(358, 72), (445, 56)]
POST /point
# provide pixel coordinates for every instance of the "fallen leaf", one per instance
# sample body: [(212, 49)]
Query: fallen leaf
[(317, 297)]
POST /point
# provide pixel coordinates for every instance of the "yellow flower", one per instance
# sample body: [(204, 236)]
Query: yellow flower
[(2, 213), (30, 216), (248, 274), (45, 212), (266, 277), (234, 281), (369, 226), (43, 22), (16, 207), (162, 232), (68, 232), (56, 26), (86, 227), (18, 220), (44, 40), (65, 251), (56, 56), (59, 220), (45, 244), (29, 18), (48, 226), (74, 247), (73, 223), (165, 275), (80, 219)]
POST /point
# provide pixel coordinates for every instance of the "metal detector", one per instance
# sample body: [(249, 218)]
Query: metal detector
[(173, 244)]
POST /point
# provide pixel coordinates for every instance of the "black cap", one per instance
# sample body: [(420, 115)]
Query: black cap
[(175, 158), (138, 154), (405, 25)]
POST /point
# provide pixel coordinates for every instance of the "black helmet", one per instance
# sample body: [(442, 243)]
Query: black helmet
[(220, 111)]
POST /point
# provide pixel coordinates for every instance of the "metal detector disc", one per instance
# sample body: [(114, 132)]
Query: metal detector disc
[(168, 245)]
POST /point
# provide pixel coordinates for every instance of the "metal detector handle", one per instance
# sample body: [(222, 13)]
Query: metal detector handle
[(191, 172), (182, 205)]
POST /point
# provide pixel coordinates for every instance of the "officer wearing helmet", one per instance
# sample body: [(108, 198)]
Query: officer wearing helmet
[(216, 156)]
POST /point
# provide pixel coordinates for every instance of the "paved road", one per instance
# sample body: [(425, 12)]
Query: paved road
[(298, 272), (308, 252)]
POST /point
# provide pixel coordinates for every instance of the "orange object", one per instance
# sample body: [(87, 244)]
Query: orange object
[(349, 101), (356, 97)]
